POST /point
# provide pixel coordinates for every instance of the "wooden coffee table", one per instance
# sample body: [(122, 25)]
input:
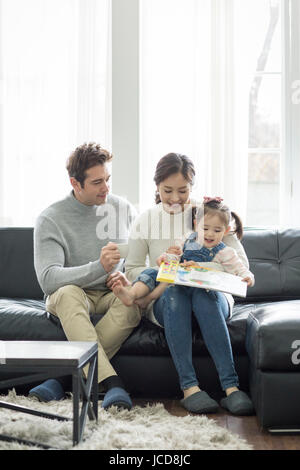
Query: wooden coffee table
[(41, 360)]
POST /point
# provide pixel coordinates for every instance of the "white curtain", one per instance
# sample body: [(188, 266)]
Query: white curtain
[(195, 82), (54, 95)]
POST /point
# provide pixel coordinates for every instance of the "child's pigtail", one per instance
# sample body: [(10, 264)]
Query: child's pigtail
[(194, 215), (238, 225)]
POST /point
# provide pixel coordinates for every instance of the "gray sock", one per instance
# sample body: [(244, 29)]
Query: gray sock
[(112, 382)]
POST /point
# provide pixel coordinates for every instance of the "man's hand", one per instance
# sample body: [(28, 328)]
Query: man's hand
[(117, 276), (109, 256)]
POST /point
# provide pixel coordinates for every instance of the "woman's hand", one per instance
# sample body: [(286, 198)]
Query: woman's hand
[(162, 259), (172, 250), (175, 250), (115, 277)]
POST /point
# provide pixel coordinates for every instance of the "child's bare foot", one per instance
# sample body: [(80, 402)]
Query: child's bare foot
[(123, 294)]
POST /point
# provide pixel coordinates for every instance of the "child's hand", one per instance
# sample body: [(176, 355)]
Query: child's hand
[(248, 280), (175, 250), (162, 259), (188, 263)]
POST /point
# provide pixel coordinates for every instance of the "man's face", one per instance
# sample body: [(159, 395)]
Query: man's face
[(95, 188)]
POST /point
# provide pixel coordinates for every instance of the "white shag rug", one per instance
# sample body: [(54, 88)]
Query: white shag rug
[(142, 428)]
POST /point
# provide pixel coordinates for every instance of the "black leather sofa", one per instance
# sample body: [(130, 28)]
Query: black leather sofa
[(264, 328)]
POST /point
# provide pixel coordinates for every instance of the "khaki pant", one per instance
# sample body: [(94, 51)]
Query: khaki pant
[(73, 306)]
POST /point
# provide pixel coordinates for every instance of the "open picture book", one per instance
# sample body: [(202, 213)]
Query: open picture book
[(199, 276)]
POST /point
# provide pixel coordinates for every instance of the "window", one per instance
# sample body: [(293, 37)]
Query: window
[(265, 109), (54, 96), (217, 80)]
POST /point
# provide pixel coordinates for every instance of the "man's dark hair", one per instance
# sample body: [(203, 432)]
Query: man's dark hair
[(84, 157)]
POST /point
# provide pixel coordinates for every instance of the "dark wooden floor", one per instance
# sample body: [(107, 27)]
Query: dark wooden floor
[(247, 427)]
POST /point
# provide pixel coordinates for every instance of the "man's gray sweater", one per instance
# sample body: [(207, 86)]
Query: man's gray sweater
[(68, 239)]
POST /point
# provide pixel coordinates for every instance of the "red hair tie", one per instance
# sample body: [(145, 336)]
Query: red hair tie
[(210, 199)]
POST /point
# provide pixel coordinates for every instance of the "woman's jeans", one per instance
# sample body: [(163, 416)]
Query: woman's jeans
[(173, 310)]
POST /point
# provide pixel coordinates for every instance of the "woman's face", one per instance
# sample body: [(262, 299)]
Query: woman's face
[(174, 193)]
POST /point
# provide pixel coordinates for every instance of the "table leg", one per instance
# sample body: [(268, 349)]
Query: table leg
[(85, 389), (76, 398), (95, 388)]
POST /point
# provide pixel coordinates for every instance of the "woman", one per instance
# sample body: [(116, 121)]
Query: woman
[(154, 232)]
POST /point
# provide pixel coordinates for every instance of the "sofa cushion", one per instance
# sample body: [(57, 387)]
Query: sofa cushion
[(273, 336), (149, 339), (17, 275), (25, 319)]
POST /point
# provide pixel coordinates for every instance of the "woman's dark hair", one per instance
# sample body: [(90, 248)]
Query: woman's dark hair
[(171, 164), (226, 215), (84, 157)]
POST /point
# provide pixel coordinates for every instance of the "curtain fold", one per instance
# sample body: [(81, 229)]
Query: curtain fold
[(194, 95), (54, 78)]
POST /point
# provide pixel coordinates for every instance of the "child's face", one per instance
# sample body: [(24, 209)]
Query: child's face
[(211, 230)]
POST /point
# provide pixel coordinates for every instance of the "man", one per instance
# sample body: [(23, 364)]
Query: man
[(77, 261)]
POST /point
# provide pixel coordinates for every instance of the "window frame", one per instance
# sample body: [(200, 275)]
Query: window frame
[(290, 164)]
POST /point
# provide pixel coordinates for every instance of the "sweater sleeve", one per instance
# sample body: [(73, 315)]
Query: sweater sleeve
[(232, 263), (49, 260), (232, 241)]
